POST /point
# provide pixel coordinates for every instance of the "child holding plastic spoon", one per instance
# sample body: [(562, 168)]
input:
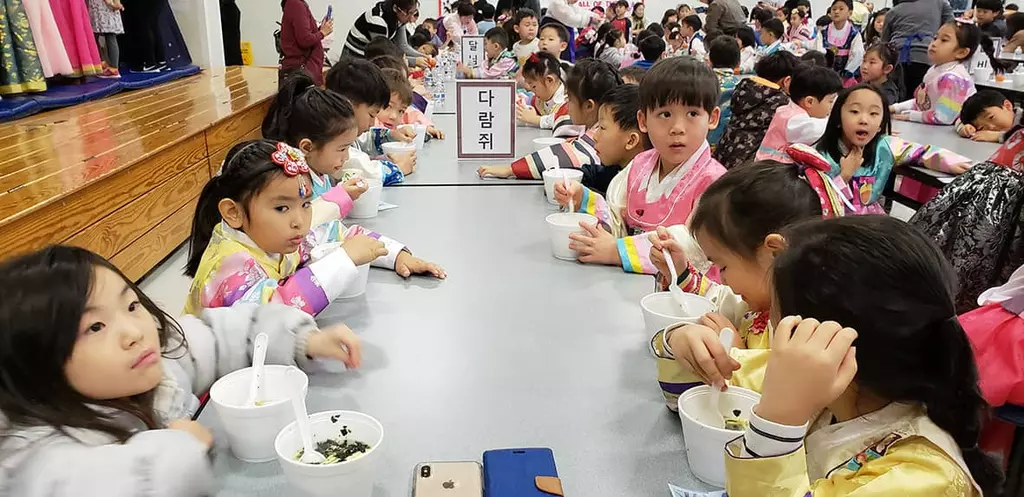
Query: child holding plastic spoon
[(322, 124), (875, 390), (660, 186), (736, 224), (98, 385)]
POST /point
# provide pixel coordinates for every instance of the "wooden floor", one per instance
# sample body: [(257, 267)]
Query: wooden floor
[(121, 176)]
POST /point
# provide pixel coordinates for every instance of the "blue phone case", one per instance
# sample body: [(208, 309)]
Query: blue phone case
[(330, 11), (513, 472)]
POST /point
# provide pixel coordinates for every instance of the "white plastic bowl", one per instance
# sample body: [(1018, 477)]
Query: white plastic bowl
[(367, 204), (546, 142), (352, 478), (251, 430), (661, 310), (560, 225), (399, 148), (552, 176), (703, 432), (421, 134)]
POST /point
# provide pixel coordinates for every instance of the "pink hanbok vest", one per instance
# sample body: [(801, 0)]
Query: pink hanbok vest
[(674, 208)]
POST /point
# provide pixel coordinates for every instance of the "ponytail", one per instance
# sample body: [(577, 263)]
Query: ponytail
[(302, 110), (989, 47), (541, 64), (954, 402), (246, 170), (609, 40)]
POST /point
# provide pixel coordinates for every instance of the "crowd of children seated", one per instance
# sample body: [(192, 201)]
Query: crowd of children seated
[(752, 164)]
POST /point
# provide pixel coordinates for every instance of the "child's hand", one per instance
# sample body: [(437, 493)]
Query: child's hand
[(463, 70), (335, 342), (404, 133), (193, 428), (597, 246), (405, 162), (851, 162), (718, 322), (355, 187), (958, 169), (423, 62), (434, 132), (407, 265), (967, 130), (986, 136), (363, 249), (527, 114), (662, 239), (495, 172), (901, 117), (811, 364), (574, 192), (698, 349)]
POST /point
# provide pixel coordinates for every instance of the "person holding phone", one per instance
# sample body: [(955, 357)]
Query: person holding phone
[(302, 47)]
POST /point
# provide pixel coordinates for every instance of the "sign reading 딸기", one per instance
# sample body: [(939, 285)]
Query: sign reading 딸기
[(486, 114), (473, 54)]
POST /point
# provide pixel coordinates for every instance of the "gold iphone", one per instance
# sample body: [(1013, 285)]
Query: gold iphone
[(448, 479)]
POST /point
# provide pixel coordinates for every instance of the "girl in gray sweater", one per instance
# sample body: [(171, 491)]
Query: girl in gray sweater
[(98, 385)]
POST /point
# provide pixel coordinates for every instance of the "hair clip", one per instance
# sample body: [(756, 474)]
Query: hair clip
[(290, 159), (534, 57)]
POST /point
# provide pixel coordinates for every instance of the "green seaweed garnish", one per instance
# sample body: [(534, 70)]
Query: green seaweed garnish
[(336, 451)]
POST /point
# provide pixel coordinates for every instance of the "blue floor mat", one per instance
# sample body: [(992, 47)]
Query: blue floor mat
[(15, 107), (57, 96), (138, 80)]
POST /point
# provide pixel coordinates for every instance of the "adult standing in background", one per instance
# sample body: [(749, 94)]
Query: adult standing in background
[(910, 27), (388, 18), (722, 16), (302, 46), (573, 17)]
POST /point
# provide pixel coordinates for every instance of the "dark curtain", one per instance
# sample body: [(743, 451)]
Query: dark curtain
[(151, 36), (231, 27)]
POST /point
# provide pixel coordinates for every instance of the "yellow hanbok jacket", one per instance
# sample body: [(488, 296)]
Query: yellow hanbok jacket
[(896, 451)]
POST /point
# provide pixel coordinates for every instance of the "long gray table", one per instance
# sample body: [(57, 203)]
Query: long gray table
[(437, 164), (514, 349), (945, 137)]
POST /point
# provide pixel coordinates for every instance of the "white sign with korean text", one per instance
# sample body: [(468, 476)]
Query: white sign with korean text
[(486, 119), (473, 55)]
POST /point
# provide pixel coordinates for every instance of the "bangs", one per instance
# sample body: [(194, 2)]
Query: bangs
[(682, 81)]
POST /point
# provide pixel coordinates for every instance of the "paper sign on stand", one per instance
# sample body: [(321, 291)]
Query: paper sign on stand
[(473, 55), (486, 114)]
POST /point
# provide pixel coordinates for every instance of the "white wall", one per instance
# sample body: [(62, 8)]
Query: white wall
[(199, 21), (260, 18)]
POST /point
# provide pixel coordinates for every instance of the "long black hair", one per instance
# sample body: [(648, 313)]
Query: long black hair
[(753, 201), (870, 34), (833, 135), (887, 280), (304, 110), (246, 171), (43, 296), (608, 40)]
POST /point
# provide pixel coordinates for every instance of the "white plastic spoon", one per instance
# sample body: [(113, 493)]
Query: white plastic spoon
[(259, 356), (309, 453), (673, 287), (565, 180), (725, 338)]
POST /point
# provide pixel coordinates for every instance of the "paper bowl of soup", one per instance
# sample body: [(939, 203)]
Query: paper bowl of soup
[(251, 429), (707, 428), (661, 310), (351, 442)]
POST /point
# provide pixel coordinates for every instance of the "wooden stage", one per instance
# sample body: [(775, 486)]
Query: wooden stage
[(121, 176)]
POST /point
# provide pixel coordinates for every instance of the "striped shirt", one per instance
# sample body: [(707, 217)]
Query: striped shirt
[(378, 21)]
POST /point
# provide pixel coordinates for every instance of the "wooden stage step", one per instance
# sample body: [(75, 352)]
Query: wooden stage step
[(121, 176)]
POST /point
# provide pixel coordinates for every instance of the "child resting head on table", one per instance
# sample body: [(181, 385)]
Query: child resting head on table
[(661, 187), (947, 83), (501, 63), (321, 124), (542, 75), (859, 151), (988, 116), (93, 371), (363, 84), (588, 84), (737, 225), (251, 240), (870, 386)]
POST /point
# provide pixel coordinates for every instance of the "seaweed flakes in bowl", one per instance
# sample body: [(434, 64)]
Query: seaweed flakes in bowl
[(340, 449)]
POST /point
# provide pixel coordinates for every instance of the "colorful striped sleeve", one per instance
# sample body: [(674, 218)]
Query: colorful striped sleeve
[(334, 204), (906, 153), (635, 254), (567, 155), (953, 90)]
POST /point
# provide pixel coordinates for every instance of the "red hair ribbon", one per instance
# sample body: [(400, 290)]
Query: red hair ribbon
[(534, 58)]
